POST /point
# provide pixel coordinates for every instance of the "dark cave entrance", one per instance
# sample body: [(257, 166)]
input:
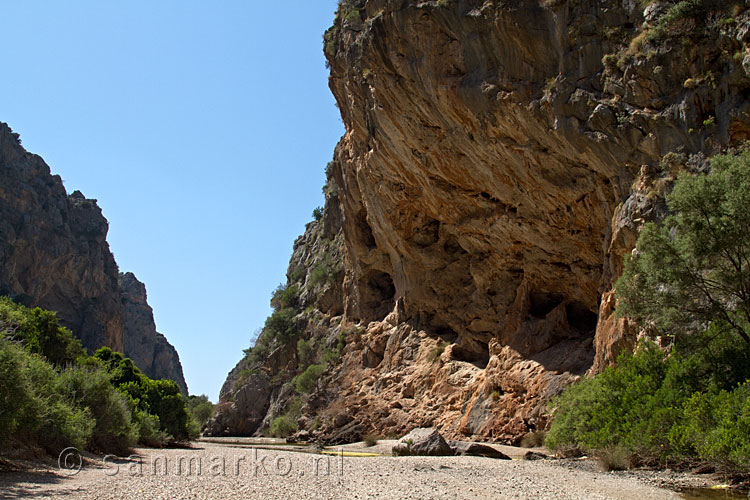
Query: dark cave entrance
[(377, 293)]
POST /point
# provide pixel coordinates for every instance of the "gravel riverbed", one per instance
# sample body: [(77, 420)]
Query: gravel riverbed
[(221, 471)]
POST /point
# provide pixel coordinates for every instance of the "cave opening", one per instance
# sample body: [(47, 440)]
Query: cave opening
[(366, 236), (580, 317), (542, 303), (378, 292), (475, 352)]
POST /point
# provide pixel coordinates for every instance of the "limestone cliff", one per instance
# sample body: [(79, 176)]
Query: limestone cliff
[(499, 160), (148, 348), (54, 254)]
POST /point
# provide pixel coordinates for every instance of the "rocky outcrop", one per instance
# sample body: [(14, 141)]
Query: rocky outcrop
[(499, 161), (54, 254), (148, 349)]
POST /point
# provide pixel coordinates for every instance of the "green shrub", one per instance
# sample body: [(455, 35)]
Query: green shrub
[(149, 430), (161, 398), (165, 401), (33, 411), (533, 439), (688, 405), (283, 426), (40, 332), (317, 213), (437, 352), (200, 408), (305, 382), (716, 427), (54, 396), (15, 393), (613, 407), (285, 296), (281, 325), (614, 458), (305, 352), (370, 440), (91, 389)]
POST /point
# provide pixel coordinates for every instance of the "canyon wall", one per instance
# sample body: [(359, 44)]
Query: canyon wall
[(54, 254), (499, 160)]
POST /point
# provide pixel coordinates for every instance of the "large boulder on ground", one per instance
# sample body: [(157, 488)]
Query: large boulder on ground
[(350, 432), (476, 450), (534, 455), (422, 441)]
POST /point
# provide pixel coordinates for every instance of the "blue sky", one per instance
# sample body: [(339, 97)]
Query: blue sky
[(202, 129)]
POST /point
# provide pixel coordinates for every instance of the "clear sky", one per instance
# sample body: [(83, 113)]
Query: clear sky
[(202, 128)]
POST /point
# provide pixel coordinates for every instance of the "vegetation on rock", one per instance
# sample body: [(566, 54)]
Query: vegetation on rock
[(687, 285)]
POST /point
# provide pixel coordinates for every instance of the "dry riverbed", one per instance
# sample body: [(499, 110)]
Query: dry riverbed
[(264, 470)]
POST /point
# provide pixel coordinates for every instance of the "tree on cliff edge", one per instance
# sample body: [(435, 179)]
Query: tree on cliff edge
[(693, 270)]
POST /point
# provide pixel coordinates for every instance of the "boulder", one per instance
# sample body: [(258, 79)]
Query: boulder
[(422, 441), (302, 436), (476, 450), (534, 455)]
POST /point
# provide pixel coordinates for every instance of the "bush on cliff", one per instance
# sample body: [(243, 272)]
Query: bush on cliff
[(694, 269), (305, 382), (285, 296), (39, 331), (282, 325)]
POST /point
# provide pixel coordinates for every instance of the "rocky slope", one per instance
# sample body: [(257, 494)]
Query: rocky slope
[(54, 254), (499, 160)]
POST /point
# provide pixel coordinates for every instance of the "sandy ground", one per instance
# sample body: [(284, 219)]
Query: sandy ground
[(267, 471)]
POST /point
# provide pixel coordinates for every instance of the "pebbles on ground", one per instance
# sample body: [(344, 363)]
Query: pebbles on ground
[(228, 471)]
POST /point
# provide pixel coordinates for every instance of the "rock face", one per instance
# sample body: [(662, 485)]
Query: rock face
[(54, 254), (53, 248), (148, 349), (500, 159)]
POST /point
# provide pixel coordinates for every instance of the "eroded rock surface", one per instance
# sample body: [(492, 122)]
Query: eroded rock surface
[(499, 161)]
